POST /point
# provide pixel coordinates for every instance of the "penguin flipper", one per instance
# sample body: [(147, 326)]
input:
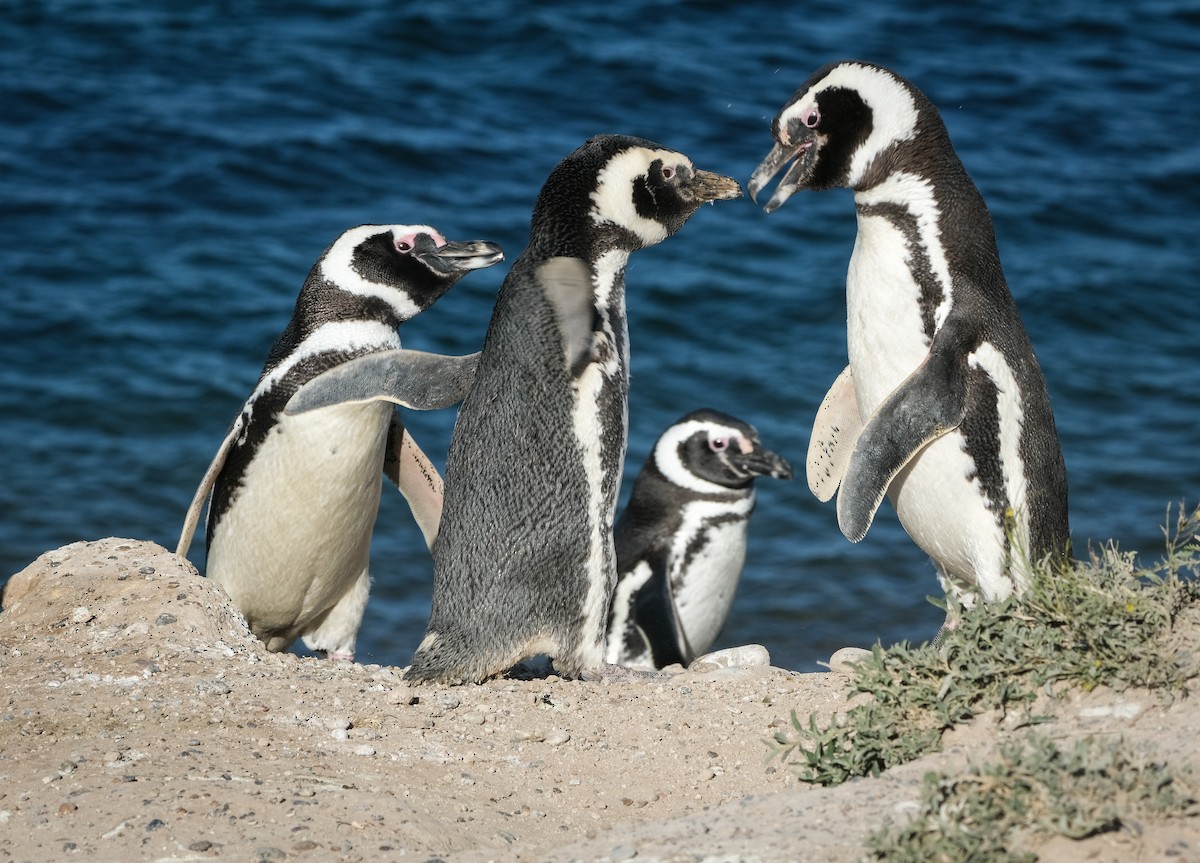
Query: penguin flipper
[(414, 475), (567, 284), (205, 489), (835, 432), (658, 621), (928, 404), (414, 379)]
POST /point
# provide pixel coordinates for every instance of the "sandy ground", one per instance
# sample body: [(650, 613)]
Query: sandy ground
[(139, 720)]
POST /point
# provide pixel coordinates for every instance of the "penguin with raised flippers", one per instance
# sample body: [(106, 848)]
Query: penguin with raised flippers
[(524, 562), (681, 539), (943, 406), (295, 485)]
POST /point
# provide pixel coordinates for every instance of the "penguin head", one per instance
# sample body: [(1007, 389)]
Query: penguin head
[(620, 192), (711, 452), (845, 127), (407, 266)]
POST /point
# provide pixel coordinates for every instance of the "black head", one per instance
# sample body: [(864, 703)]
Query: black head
[(708, 448), (408, 267), (620, 192), (844, 128)]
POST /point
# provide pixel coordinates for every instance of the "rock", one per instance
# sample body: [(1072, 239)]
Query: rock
[(117, 586), (843, 660), (746, 656)]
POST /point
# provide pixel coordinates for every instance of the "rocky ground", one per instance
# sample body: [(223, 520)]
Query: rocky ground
[(139, 720)]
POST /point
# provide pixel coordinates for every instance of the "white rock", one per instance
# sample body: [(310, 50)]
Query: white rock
[(842, 661), (746, 656)]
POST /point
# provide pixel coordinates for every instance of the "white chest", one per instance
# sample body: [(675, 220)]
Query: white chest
[(706, 564), (898, 236), (298, 532)]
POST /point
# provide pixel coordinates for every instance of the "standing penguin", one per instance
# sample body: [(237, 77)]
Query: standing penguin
[(524, 562), (681, 539), (943, 406), (295, 491)]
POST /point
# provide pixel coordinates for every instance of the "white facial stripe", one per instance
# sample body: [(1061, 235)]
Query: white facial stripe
[(613, 199), (344, 336), (915, 194), (1012, 420), (337, 265), (893, 111), (666, 455)]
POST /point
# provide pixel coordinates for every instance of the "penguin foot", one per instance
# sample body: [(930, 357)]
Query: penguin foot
[(339, 655)]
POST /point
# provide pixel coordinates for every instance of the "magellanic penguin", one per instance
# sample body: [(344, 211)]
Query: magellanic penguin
[(295, 485), (681, 539), (524, 562), (943, 406)]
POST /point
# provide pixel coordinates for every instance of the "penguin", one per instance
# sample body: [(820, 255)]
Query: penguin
[(943, 406), (524, 563), (294, 489), (681, 539)]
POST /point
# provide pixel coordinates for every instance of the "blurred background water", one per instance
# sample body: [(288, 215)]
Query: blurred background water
[(171, 171)]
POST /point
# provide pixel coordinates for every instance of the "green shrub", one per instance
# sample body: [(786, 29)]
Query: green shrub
[(1105, 621), (1034, 789)]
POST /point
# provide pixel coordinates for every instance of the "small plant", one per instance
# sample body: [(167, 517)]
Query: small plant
[(1103, 621), (1034, 789)]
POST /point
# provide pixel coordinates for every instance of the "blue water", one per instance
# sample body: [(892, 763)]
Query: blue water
[(170, 174)]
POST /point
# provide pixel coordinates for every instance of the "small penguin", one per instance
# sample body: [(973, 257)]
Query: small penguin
[(524, 562), (681, 539), (295, 485), (943, 406)]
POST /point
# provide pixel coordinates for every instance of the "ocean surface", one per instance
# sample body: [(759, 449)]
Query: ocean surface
[(170, 172)]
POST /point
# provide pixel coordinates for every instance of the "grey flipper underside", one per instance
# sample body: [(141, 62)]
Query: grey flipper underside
[(210, 476), (928, 404), (414, 475), (835, 431), (567, 284), (414, 379)]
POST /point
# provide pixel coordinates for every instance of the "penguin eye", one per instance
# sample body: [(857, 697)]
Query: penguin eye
[(668, 172), (403, 246), (811, 117), (718, 444)]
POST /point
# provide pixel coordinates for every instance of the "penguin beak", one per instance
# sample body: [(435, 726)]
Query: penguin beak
[(704, 187), (456, 259), (802, 145), (761, 462)]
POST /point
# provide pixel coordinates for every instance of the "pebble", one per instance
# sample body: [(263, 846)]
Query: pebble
[(745, 656), (81, 615), (364, 749), (448, 700), (473, 717), (213, 687), (337, 723), (202, 845), (622, 852), (557, 738), (842, 661), (1121, 710)]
